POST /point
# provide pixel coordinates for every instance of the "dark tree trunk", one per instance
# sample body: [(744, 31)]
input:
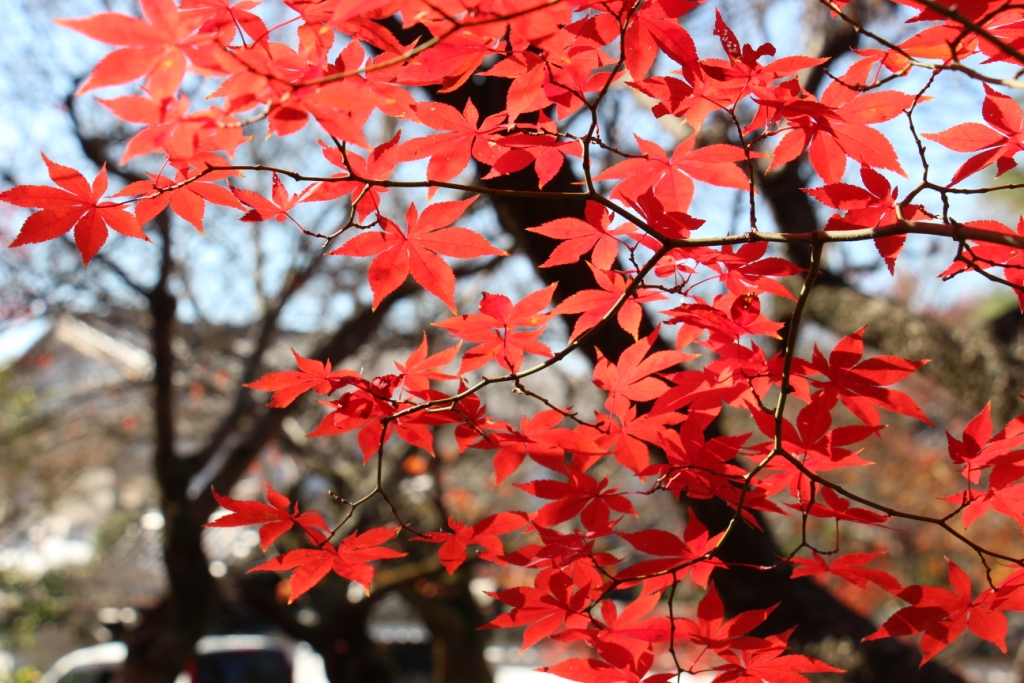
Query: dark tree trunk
[(454, 620), (160, 649)]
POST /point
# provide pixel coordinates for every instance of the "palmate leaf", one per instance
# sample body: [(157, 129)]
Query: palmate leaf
[(185, 195), (74, 204), (861, 383), (485, 533), (312, 375), (672, 178), (554, 602), (997, 144), (684, 556), (593, 304), (849, 568), (417, 250), (275, 519), (419, 368), (582, 237), (635, 377), (534, 438), (350, 560), (581, 495), (450, 152), (941, 615), (153, 46), (503, 331)]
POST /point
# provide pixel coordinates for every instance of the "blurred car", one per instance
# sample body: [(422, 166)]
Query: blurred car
[(239, 659), (96, 664), (235, 658)]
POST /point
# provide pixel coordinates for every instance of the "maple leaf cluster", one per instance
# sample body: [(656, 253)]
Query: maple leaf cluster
[(336, 64)]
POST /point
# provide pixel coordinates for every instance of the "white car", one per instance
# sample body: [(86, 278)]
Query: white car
[(236, 658)]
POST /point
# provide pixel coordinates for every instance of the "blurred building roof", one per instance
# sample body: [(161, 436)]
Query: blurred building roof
[(80, 456)]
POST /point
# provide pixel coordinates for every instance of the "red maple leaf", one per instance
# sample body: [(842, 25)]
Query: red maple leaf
[(579, 238), (813, 439), (526, 93), (629, 437), (682, 556), (978, 451), (860, 383), (350, 560), (277, 207), (833, 129), (670, 178), (581, 495), (572, 553), (618, 665), (713, 84), (655, 26), (155, 47), (623, 641), (223, 18), (449, 63), (712, 629), (554, 601), (474, 429), (379, 164), (497, 331), (629, 628), (747, 269), (75, 204), (997, 145), (941, 615), (747, 659), (985, 256), (539, 438), (419, 368), (533, 439), (171, 128), (869, 208), (188, 201), (704, 469), (729, 316), (837, 507), (416, 251), (764, 659), (311, 375), (451, 151), (847, 567), (484, 533), (592, 305), (973, 451), (366, 407), (633, 378), (274, 518)]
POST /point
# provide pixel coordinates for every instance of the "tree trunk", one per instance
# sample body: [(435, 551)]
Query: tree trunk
[(161, 648), (454, 620)]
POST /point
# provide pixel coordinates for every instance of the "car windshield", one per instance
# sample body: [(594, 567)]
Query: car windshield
[(257, 666)]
